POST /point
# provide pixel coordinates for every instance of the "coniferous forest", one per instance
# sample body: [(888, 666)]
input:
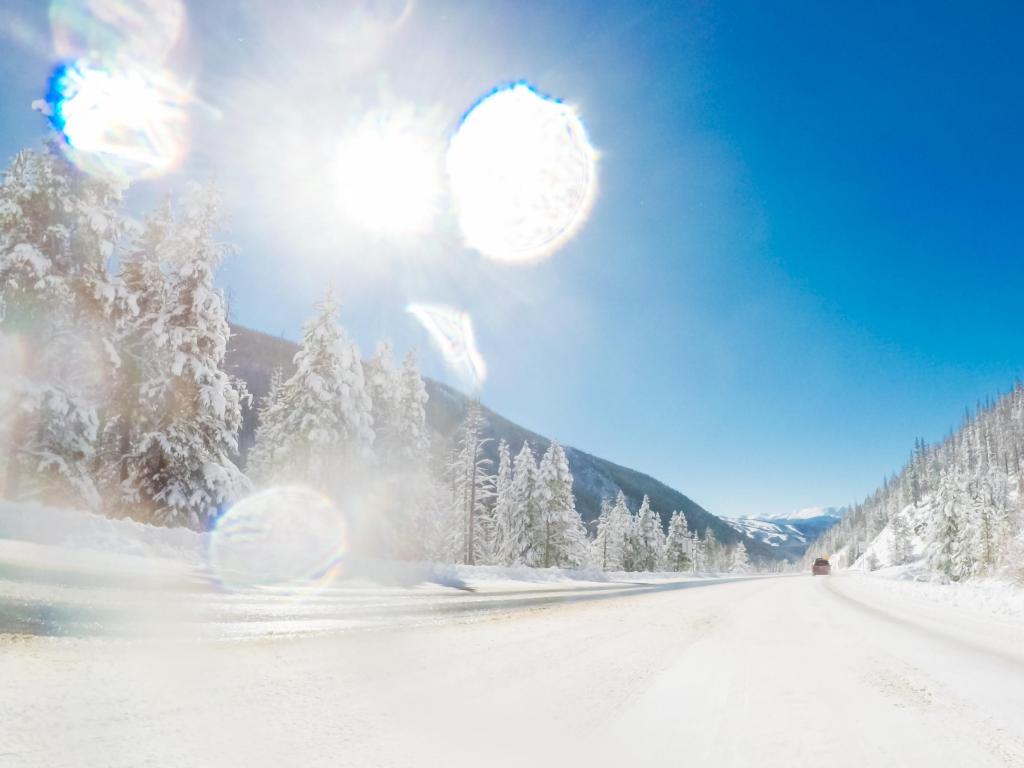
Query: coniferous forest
[(121, 402)]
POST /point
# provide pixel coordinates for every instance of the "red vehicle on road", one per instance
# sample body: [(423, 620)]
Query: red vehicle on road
[(821, 567)]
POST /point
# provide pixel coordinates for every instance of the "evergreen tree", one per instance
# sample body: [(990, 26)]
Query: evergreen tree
[(139, 340), (947, 536), (261, 462), (677, 554), (411, 434), (646, 539), (612, 531), (182, 468), (401, 446), (383, 389), (505, 513), (740, 560), (524, 516), (473, 487), (899, 549), (712, 550), (698, 553), (563, 538), (58, 229), (323, 424)]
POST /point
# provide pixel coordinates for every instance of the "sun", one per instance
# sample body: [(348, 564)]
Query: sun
[(389, 177)]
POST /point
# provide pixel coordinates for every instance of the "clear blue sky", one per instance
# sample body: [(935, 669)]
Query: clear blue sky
[(806, 250)]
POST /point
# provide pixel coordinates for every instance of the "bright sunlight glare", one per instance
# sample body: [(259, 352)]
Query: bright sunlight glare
[(523, 174), (121, 124), (388, 175)]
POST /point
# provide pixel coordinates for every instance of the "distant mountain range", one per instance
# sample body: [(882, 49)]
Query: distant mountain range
[(789, 533), (807, 513), (253, 356)]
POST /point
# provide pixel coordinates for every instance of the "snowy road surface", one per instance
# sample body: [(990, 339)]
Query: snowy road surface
[(790, 671)]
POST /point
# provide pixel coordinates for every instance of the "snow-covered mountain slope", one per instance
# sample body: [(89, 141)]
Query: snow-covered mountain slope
[(773, 534), (790, 533), (807, 513), (253, 356), (956, 510)]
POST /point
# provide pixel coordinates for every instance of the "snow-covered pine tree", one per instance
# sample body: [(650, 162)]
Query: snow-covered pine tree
[(382, 386), (473, 487), (599, 547), (697, 551), (524, 517), (261, 463), (563, 539), (947, 534), (712, 551), (325, 428), (899, 545), (740, 559), (504, 546), (612, 530), (646, 539), (58, 229), (677, 555), (401, 447), (182, 468), (139, 317), (412, 437)]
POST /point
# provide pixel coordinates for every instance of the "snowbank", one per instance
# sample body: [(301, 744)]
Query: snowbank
[(75, 529), (914, 582), (49, 534), (473, 574)]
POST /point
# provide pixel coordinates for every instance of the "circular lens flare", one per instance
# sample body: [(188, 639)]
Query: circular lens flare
[(109, 30), (120, 124), (522, 173), (281, 536), (388, 177)]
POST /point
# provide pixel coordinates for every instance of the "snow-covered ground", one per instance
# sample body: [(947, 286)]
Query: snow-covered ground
[(167, 670), (71, 573)]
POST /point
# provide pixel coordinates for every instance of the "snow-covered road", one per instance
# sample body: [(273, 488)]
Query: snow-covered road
[(765, 671)]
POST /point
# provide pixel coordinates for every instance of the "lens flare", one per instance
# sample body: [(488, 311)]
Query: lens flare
[(108, 31), (117, 123), (387, 13), (281, 536), (451, 330), (388, 176), (522, 173)]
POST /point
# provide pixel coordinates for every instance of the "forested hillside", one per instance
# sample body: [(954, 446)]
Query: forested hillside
[(954, 511), (253, 356)]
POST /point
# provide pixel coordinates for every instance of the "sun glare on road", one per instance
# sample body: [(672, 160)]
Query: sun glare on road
[(523, 174), (388, 177)]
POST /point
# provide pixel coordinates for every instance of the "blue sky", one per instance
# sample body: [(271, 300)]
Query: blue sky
[(805, 251)]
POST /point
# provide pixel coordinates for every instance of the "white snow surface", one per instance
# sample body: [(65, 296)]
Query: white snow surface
[(71, 573), (589, 669)]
